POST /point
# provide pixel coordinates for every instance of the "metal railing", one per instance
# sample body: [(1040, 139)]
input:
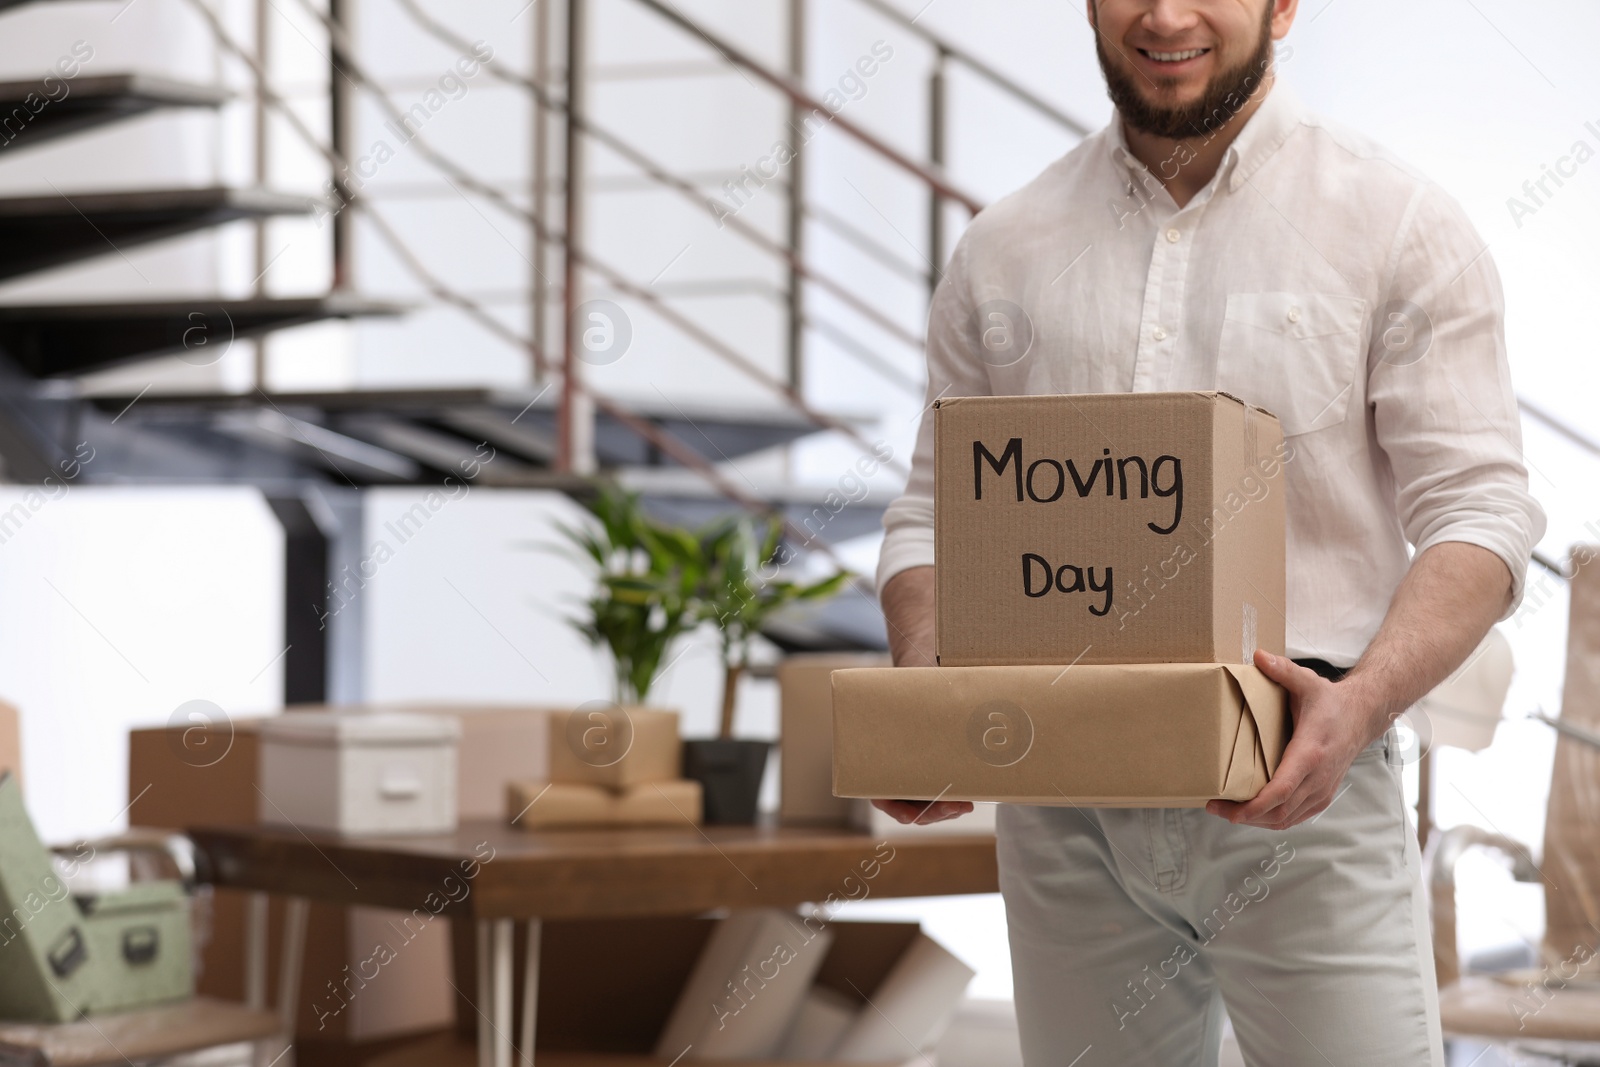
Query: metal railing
[(941, 188), (581, 124), (949, 52), (931, 175), (946, 55), (666, 442), (348, 76)]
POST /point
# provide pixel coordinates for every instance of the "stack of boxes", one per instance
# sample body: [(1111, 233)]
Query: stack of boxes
[(609, 766), (1107, 566), (189, 775)]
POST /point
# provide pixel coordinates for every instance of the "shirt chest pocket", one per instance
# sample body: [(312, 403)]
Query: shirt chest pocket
[(1295, 354)]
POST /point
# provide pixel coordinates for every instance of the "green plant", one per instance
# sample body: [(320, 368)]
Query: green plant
[(739, 598), (648, 578)]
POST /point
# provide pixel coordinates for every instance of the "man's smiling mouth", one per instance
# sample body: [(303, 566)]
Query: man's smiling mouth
[(1173, 57)]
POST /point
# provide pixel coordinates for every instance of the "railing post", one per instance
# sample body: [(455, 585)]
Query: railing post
[(937, 129), (575, 418), (263, 175), (797, 197), (539, 172), (341, 97)]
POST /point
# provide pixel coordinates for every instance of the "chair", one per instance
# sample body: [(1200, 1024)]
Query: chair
[(1552, 1011), (108, 954)]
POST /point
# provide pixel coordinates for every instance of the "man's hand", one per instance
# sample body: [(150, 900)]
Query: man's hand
[(908, 610), (1447, 601), (923, 812), (1331, 727)]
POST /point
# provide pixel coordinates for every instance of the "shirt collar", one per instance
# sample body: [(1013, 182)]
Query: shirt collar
[(1262, 135)]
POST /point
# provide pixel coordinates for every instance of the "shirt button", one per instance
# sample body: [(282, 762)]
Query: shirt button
[(1294, 314), (1173, 236), (1159, 334)]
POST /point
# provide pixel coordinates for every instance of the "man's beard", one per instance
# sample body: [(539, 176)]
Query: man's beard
[(1224, 96)]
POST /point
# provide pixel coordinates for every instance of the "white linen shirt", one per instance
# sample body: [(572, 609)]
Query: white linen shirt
[(1315, 276)]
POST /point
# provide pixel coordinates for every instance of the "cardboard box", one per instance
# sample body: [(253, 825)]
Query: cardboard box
[(659, 804), (1107, 528), (454, 1051), (589, 1005), (538, 805), (1148, 735), (747, 987), (616, 747), (805, 752), (499, 745), (191, 774), (10, 741), (542, 805)]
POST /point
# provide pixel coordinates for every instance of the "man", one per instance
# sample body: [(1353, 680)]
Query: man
[(1215, 236)]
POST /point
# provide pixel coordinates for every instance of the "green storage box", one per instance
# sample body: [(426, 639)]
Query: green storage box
[(64, 956)]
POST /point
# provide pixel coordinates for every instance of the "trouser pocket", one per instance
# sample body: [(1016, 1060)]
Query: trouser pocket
[(1394, 760)]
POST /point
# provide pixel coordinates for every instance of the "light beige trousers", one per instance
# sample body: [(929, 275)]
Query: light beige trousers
[(1133, 929)]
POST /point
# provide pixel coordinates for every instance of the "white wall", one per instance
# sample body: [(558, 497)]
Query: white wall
[(121, 606), (471, 605)]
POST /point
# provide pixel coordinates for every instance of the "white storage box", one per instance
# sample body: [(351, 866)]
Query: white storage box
[(379, 773)]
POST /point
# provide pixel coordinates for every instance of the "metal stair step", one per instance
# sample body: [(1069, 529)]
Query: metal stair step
[(51, 340), (518, 422), (90, 101), (39, 232)]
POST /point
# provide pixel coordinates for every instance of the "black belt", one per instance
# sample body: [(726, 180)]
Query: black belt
[(1324, 668)]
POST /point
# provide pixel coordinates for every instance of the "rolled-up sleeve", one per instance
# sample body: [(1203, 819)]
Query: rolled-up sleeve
[(1444, 410), (953, 370)]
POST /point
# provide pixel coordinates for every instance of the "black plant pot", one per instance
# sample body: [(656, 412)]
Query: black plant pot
[(729, 773)]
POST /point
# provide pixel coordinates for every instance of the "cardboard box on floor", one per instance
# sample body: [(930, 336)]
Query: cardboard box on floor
[(805, 751), (200, 776), (608, 986), (1143, 735), (1107, 528)]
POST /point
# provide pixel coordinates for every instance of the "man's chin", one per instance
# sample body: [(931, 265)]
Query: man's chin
[(1171, 98)]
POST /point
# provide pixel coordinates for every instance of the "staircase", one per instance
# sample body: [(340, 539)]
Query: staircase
[(92, 101), (811, 284)]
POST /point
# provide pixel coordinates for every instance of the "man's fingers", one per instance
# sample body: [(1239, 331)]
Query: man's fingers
[(899, 810), (1275, 794), (1298, 680), (1309, 811), (940, 810), (922, 812), (1293, 771)]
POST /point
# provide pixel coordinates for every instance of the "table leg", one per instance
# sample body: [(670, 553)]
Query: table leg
[(485, 995), (504, 1027), (255, 965), (255, 951), (296, 912), (530, 993)]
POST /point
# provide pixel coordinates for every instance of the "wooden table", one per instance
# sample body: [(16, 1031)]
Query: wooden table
[(495, 875)]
